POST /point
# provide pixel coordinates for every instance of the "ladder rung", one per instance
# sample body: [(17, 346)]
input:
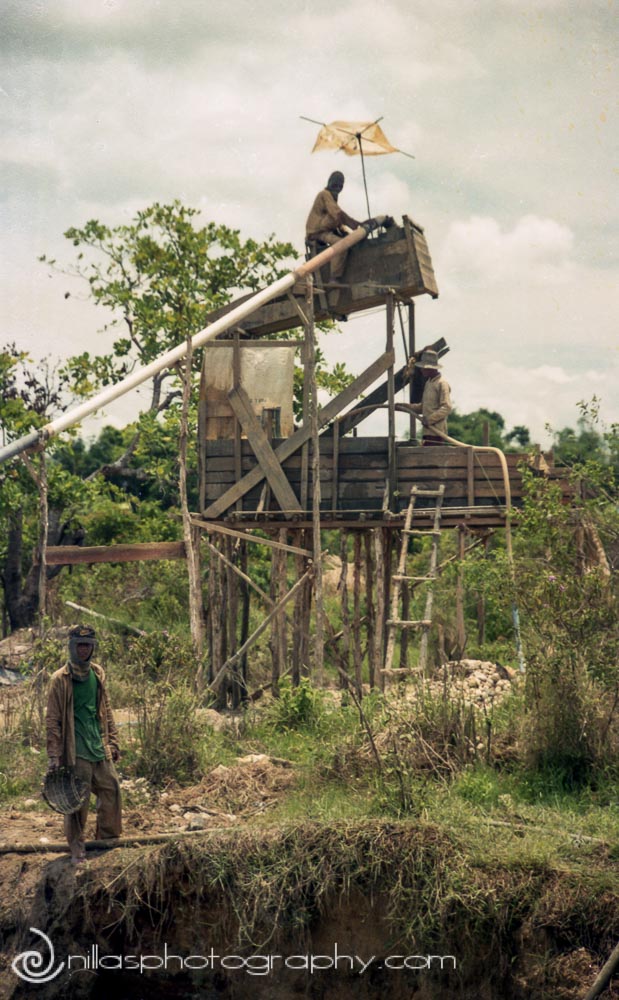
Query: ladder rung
[(426, 493), (400, 576), (423, 623)]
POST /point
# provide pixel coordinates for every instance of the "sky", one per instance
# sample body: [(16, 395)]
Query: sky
[(508, 106)]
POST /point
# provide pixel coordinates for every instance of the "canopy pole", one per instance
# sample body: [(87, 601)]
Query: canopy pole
[(365, 183)]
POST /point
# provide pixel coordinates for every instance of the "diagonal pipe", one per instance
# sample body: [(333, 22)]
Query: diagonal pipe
[(38, 437)]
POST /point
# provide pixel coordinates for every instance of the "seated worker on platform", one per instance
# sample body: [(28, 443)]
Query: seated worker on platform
[(435, 405), (326, 219)]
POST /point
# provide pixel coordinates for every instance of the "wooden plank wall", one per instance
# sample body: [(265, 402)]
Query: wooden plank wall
[(362, 471)]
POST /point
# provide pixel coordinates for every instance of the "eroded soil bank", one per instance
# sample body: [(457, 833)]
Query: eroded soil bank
[(364, 910)]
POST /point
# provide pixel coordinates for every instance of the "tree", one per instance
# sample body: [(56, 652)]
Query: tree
[(28, 392), (160, 277), (470, 428)]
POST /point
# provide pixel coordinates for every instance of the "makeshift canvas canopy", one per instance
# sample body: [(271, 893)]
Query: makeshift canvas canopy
[(355, 139)]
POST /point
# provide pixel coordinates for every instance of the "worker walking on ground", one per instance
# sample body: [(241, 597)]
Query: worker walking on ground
[(435, 404), (82, 734), (326, 220)]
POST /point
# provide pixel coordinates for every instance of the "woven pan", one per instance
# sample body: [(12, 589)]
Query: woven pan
[(64, 791)]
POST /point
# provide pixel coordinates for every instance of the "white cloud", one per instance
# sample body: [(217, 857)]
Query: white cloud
[(508, 108), (535, 251)]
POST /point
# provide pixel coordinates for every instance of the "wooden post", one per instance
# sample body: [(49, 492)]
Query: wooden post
[(319, 637), (357, 654), (379, 628), (370, 611), (411, 352), (214, 606), (343, 586), (406, 605), (245, 610), (335, 475), (306, 416), (236, 384), (40, 478), (191, 536), (460, 626), (481, 603), (232, 603), (391, 461)]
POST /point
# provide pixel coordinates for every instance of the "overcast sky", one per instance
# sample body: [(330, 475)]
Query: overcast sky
[(509, 106)]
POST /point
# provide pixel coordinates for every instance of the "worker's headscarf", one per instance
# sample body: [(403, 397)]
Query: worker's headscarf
[(335, 183), (81, 634)]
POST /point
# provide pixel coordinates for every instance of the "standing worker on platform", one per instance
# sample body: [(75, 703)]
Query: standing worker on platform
[(435, 405), (326, 219), (82, 734)]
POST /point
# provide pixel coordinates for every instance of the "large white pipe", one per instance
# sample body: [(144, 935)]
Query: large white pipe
[(170, 358)]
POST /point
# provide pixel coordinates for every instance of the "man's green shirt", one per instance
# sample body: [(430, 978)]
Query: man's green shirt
[(88, 742)]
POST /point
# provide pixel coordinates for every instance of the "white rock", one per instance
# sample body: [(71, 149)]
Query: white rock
[(174, 808), (29, 803), (253, 758)]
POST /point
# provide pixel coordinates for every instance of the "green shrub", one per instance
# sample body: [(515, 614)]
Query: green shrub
[(168, 734), (299, 707)]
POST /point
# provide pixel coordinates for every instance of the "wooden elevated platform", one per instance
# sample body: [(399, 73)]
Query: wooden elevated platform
[(396, 260), (354, 472)]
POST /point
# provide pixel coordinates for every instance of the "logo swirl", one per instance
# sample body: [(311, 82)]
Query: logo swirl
[(28, 965)]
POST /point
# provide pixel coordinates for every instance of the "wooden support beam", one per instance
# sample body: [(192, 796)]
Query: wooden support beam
[(292, 444), (239, 572), (391, 459), (236, 384), (247, 537), (253, 343), (271, 468), (215, 684), (71, 555)]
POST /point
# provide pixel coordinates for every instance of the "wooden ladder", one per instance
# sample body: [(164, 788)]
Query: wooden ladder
[(394, 621)]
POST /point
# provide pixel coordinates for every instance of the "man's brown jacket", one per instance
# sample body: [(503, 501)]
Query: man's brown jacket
[(60, 718)]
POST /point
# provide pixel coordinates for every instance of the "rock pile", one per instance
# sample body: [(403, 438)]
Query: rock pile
[(477, 682)]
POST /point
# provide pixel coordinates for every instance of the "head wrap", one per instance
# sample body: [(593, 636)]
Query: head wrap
[(81, 634), (336, 180)]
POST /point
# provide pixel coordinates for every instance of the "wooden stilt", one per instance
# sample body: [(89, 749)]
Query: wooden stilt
[(370, 610), (357, 654), (379, 625), (343, 587), (460, 626)]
